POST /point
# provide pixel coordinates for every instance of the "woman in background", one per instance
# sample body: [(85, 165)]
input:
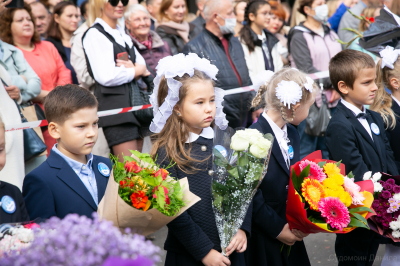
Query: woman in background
[(238, 10), (275, 26)]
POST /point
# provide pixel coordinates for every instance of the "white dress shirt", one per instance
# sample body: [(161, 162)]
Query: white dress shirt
[(207, 133), (100, 53), (397, 101), (357, 111), (281, 137)]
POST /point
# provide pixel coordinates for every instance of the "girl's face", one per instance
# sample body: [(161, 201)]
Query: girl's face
[(198, 108), (301, 112), (239, 10), (176, 12), (22, 25), (275, 24), (263, 16), (69, 19), (112, 12)]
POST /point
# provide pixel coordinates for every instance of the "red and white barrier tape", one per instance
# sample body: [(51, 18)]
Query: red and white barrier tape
[(42, 123)]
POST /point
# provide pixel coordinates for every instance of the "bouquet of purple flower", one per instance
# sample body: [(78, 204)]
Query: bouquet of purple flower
[(386, 205), (78, 240)]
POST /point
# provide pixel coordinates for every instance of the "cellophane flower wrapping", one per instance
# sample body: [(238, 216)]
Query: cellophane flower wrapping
[(386, 205), (77, 240), (236, 176), (322, 199), (142, 196)]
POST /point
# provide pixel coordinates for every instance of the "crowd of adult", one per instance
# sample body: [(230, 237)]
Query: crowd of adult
[(112, 48)]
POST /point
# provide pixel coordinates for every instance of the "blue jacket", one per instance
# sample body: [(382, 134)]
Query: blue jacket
[(335, 19), (54, 189), (16, 65)]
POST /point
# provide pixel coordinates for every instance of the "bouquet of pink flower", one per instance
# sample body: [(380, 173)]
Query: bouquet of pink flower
[(386, 205)]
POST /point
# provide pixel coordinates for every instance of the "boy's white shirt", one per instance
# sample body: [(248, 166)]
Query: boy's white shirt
[(207, 133), (357, 111)]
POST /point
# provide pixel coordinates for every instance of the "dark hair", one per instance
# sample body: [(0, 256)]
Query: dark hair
[(245, 32), (346, 65), (302, 4), (82, 7), (54, 29), (65, 100), (5, 25)]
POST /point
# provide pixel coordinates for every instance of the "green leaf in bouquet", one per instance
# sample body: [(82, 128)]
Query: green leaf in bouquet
[(360, 209), (219, 159), (297, 181), (315, 217), (338, 163), (355, 222), (160, 197), (128, 159), (350, 175), (360, 218), (232, 184), (178, 191), (242, 166), (321, 164), (218, 202), (254, 173), (234, 172), (151, 181), (219, 188), (145, 157)]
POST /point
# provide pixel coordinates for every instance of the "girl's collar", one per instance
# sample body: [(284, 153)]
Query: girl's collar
[(207, 133)]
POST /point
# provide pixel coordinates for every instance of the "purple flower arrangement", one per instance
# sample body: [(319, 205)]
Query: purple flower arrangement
[(387, 207), (78, 240)]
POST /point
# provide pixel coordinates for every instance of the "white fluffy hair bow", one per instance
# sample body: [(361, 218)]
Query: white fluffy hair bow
[(389, 56), (178, 65)]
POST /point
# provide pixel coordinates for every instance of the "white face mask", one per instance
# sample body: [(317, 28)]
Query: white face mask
[(321, 13), (229, 26)]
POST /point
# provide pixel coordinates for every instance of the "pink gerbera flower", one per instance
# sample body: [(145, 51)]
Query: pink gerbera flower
[(316, 172), (335, 212), (353, 189)]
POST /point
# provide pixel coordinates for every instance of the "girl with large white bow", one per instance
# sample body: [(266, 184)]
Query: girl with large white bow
[(388, 106), (186, 104), (287, 96)]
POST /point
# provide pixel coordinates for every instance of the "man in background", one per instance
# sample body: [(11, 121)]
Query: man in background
[(199, 22), (153, 6), (41, 17)]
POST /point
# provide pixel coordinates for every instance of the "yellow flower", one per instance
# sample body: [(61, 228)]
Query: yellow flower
[(338, 179), (331, 169), (312, 191), (345, 198), (331, 184)]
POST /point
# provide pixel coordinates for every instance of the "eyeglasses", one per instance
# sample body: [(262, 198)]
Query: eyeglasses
[(116, 2)]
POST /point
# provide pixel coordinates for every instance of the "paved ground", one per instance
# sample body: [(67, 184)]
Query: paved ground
[(320, 248)]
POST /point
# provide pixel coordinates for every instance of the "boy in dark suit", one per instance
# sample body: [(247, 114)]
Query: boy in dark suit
[(357, 137), (72, 179)]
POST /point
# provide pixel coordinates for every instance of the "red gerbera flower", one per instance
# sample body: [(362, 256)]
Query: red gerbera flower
[(162, 172), (132, 167)]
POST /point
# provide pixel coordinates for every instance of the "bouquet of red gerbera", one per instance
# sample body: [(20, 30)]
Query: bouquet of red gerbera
[(142, 196), (321, 198), (386, 205)]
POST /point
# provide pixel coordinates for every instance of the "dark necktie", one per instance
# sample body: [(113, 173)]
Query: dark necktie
[(362, 115)]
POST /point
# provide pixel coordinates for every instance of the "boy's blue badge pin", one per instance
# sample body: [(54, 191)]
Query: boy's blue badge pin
[(8, 204), (103, 169), (291, 152), (375, 129)]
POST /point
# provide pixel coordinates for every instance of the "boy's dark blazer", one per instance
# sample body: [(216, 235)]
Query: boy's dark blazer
[(269, 207), (393, 135), (54, 189), (348, 140)]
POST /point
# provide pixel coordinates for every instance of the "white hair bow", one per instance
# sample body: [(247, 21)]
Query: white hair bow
[(178, 65), (288, 92), (261, 79), (389, 56)]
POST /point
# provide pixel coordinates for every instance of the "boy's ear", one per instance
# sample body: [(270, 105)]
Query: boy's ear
[(53, 129), (395, 83), (343, 88)]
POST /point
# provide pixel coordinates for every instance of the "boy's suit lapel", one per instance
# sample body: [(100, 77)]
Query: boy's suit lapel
[(101, 180), (357, 125), (276, 150), (70, 178), (377, 139)]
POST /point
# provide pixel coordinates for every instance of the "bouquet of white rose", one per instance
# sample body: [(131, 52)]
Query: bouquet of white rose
[(240, 163)]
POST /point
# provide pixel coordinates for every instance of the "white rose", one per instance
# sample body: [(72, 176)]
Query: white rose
[(377, 187), (240, 141), (260, 148), (367, 175), (376, 177), (253, 135), (394, 225), (396, 196), (396, 234)]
